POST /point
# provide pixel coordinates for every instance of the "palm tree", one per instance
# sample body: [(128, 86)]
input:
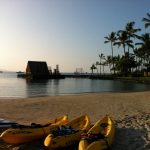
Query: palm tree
[(111, 38), (104, 64), (123, 40), (145, 43), (116, 60), (147, 20), (93, 67), (145, 49), (101, 56), (97, 63), (125, 63), (145, 39), (131, 31), (109, 62), (138, 58)]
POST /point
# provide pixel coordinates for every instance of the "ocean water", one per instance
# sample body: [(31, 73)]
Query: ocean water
[(11, 86)]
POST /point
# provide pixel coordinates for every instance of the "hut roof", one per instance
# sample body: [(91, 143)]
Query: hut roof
[(38, 67)]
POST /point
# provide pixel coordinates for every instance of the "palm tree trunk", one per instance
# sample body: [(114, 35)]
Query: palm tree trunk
[(112, 56), (128, 48), (103, 68), (100, 66), (124, 50)]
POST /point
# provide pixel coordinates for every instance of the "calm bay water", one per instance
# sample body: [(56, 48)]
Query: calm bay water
[(11, 86)]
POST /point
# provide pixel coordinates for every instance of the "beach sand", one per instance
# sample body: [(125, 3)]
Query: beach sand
[(130, 112)]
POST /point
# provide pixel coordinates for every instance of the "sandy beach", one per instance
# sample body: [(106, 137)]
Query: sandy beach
[(130, 112)]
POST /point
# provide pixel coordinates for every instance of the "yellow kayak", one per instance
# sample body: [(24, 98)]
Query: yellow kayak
[(68, 134), (99, 137), (21, 133)]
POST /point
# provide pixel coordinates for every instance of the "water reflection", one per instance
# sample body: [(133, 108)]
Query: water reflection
[(115, 85), (54, 86), (126, 86), (36, 87)]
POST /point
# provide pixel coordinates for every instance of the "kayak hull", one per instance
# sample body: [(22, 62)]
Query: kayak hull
[(80, 124), (107, 132), (24, 134)]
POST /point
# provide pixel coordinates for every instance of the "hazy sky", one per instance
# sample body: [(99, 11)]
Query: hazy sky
[(65, 32)]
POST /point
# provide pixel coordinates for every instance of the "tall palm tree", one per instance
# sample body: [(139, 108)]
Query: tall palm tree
[(147, 20), (123, 40), (131, 31), (111, 38)]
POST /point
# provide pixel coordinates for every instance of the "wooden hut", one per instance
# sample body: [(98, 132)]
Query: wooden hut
[(37, 69)]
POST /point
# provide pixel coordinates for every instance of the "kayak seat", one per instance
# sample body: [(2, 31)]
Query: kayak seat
[(92, 136), (34, 125), (104, 125), (63, 130)]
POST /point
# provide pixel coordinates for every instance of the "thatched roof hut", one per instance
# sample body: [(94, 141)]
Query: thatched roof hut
[(37, 69)]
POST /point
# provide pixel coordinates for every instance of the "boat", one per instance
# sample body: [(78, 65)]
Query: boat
[(99, 137), (19, 134), (68, 134)]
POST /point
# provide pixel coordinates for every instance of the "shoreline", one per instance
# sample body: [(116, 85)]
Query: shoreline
[(74, 94), (129, 110)]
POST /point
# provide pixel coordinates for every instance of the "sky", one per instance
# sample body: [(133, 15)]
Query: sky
[(69, 33)]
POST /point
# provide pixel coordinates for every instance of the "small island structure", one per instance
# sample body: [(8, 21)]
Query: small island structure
[(39, 70)]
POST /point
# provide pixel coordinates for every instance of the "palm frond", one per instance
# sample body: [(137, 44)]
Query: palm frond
[(117, 43), (136, 36), (139, 37), (106, 41), (138, 43), (148, 15), (146, 20), (136, 30), (120, 31), (129, 41), (130, 45), (106, 37), (147, 25)]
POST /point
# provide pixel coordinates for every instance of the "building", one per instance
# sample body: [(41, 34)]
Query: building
[(40, 70), (37, 69)]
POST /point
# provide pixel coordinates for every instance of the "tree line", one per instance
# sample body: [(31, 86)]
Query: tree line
[(135, 60)]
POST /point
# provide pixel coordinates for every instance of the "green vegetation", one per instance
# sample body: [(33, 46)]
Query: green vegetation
[(135, 61), (137, 79)]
